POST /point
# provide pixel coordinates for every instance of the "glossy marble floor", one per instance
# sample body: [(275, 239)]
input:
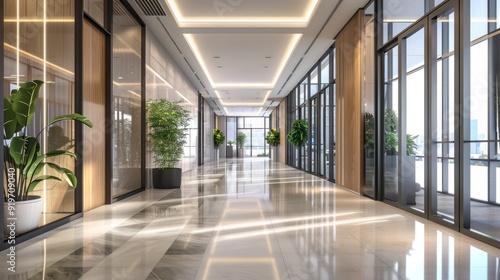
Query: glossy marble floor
[(252, 219)]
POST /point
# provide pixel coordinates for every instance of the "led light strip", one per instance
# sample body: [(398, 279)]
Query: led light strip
[(196, 51), (183, 21)]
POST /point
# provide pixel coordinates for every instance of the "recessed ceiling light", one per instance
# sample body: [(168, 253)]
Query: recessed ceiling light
[(120, 78)]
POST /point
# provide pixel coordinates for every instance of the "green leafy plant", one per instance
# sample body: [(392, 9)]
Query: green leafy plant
[(218, 137), (167, 123), (391, 132), (369, 131), (240, 139), (273, 137), (298, 135), (230, 142), (391, 135), (23, 158), (411, 145)]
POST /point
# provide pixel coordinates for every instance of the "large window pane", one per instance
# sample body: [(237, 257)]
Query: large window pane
[(368, 96), (483, 137), (391, 96), (325, 71), (400, 14), (443, 126), (314, 81), (413, 156), (34, 49), (127, 127)]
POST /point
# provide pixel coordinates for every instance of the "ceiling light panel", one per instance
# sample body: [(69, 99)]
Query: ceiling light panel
[(242, 97), (243, 111), (242, 57), (242, 13)]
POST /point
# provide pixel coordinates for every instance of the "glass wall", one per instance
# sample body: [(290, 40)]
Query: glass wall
[(313, 100), (398, 15), (433, 100), (255, 130), (442, 133), (95, 8), (482, 132), (39, 45), (164, 79), (391, 125), (126, 104), (368, 97)]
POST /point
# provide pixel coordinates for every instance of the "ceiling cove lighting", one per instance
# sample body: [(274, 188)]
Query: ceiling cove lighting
[(289, 50), (254, 21), (39, 20)]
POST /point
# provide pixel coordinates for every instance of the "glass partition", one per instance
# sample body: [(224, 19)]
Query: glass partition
[(413, 135), (127, 121), (33, 40), (391, 146), (95, 8), (443, 117), (483, 136)]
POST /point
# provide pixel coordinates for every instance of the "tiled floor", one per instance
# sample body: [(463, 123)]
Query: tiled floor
[(252, 219)]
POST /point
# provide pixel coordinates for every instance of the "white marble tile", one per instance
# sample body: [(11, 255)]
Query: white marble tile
[(244, 219)]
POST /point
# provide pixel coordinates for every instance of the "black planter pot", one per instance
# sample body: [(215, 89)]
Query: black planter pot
[(169, 178)]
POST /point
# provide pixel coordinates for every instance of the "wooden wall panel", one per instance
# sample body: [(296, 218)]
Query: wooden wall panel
[(349, 110), (94, 167)]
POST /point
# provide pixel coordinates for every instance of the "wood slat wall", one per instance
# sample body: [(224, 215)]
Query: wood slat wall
[(349, 143), (94, 152)]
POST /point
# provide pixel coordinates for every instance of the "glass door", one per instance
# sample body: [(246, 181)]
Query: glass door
[(323, 136), (314, 135), (391, 146), (442, 80), (413, 126)]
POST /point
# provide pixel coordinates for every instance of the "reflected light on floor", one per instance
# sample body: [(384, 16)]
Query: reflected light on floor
[(212, 261), (386, 218), (274, 222)]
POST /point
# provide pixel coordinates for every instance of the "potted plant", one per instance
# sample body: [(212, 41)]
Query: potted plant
[(167, 123), (229, 149), (218, 137), (391, 160), (273, 137), (298, 135), (240, 141), (24, 161)]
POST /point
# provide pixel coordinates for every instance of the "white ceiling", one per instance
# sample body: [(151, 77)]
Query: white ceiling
[(246, 55)]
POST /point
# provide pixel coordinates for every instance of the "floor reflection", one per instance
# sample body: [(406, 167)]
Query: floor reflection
[(253, 219)]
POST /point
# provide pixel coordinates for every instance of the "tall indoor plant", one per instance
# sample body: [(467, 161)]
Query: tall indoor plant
[(24, 161), (167, 123), (240, 141)]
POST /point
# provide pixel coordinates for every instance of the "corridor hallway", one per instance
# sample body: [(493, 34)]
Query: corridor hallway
[(252, 219)]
